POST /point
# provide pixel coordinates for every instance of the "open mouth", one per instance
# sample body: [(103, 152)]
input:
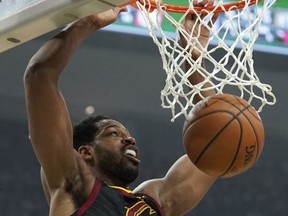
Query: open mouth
[(132, 153)]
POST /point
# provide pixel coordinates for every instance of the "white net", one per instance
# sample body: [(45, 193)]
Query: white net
[(229, 61)]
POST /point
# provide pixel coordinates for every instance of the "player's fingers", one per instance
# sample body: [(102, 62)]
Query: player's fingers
[(203, 2), (123, 9), (189, 17), (215, 17), (212, 20), (118, 10), (210, 2)]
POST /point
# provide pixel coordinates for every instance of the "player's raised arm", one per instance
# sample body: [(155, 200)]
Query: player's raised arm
[(50, 127), (184, 184)]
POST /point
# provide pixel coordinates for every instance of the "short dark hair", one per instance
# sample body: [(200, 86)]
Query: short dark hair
[(85, 131)]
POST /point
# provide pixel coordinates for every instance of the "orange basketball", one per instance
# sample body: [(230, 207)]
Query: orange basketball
[(223, 135)]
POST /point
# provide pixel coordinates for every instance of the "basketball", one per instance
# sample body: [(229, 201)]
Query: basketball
[(223, 135)]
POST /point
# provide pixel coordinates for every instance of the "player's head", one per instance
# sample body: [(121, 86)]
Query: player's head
[(85, 131), (114, 154)]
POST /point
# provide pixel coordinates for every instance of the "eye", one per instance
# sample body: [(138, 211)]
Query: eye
[(114, 133)]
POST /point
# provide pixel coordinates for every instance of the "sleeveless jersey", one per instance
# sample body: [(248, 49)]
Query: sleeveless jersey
[(106, 200)]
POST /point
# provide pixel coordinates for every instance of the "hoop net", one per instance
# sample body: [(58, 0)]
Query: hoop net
[(229, 61)]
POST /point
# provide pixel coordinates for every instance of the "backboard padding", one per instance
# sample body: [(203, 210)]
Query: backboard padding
[(44, 16)]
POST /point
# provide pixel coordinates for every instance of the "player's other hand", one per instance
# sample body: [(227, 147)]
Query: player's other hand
[(193, 25)]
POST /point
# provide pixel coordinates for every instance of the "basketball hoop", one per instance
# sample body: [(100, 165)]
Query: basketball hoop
[(230, 59), (152, 5)]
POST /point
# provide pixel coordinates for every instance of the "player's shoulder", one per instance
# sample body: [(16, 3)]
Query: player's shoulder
[(151, 187)]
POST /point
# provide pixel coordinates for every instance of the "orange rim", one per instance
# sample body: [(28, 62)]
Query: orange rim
[(198, 9)]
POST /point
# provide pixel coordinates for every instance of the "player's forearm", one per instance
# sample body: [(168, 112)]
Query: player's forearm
[(54, 55)]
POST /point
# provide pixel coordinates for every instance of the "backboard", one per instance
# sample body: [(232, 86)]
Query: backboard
[(23, 20)]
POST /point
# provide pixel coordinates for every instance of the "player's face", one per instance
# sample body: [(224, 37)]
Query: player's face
[(116, 151)]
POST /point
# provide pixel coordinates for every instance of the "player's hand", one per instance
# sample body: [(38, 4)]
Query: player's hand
[(107, 17), (199, 32)]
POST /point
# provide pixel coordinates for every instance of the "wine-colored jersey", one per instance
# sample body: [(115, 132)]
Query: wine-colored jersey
[(106, 200)]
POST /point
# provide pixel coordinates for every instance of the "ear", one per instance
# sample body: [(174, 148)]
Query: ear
[(86, 152)]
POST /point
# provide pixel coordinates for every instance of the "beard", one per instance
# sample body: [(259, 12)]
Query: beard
[(116, 166)]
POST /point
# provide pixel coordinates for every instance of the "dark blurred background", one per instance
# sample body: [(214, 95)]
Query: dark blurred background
[(121, 75)]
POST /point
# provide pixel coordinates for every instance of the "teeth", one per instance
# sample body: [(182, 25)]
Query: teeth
[(130, 152)]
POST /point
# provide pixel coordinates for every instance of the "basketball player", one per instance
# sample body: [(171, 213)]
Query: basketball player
[(92, 178)]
